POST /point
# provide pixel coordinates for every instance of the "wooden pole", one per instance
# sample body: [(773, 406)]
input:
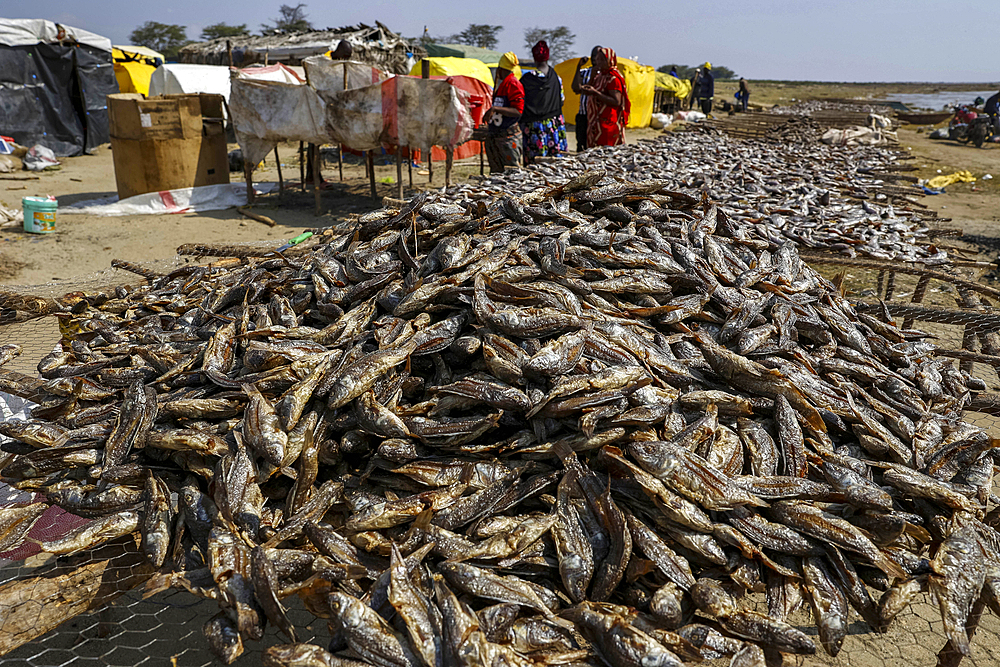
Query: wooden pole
[(449, 159), (482, 153), (248, 174), (409, 164), (281, 181), (425, 73), (371, 173), (340, 147), (316, 179), (302, 166), (399, 171), (229, 52)]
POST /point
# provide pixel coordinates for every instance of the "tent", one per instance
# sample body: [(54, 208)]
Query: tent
[(53, 83), (177, 79), (488, 56), (448, 66), (463, 51), (134, 65), (640, 81), (681, 88)]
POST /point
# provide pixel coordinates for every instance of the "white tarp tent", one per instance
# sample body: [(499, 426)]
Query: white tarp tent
[(177, 79), (28, 32)]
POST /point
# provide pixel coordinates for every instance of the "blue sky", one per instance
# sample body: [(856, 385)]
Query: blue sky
[(835, 40)]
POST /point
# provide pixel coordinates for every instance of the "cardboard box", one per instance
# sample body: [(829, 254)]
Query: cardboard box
[(169, 142)]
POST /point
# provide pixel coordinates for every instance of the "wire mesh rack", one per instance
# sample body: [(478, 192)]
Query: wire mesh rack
[(90, 608)]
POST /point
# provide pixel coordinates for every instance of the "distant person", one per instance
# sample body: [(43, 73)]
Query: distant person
[(992, 109), (706, 89), (693, 95), (542, 122), (503, 138), (608, 105), (673, 71), (344, 51), (581, 78), (744, 94)]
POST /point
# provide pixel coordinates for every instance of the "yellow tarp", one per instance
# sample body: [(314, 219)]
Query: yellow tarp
[(476, 69), (939, 182), (640, 81), (133, 77), (134, 65), (680, 87)]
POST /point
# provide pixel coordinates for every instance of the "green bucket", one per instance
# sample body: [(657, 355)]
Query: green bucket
[(39, 214)]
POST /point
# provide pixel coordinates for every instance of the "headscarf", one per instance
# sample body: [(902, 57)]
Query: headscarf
[(508, 61), (600, 80), (540, 52)]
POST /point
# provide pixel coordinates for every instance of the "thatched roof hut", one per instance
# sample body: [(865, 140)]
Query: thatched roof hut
[(377, 46)]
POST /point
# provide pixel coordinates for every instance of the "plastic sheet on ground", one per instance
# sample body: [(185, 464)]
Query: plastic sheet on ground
[(855, 136), (939, 182), (182, 200)]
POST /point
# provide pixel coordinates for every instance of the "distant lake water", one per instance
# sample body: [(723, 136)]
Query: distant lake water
[(945, 99)]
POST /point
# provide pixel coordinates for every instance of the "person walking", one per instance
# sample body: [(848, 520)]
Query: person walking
[(582, 78), (503, 138), (744, 94), (608, 105), (693, 96), (542, 123), (706, 89)]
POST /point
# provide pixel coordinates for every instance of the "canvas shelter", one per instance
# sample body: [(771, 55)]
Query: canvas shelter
[(640, 81), (448, 66), (180, 79), (134, 65), (53, 83)]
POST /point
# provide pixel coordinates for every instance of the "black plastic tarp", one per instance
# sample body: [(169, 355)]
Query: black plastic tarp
[(54, 95)]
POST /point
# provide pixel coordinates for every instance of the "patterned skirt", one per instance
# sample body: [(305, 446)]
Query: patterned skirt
[(544, 137)]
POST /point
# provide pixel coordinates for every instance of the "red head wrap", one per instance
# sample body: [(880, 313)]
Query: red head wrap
[(540, 52)]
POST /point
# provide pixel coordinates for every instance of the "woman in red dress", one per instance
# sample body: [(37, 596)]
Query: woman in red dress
[(608, 105)]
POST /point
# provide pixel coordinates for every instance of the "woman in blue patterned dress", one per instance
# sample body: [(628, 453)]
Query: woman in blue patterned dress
[(542, 121)]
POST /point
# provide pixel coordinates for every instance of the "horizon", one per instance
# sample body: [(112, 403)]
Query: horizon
[(891, 41)]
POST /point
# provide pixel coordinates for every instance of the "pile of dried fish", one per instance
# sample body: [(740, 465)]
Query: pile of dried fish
[(797, 130), (577, 427), (817, 196)]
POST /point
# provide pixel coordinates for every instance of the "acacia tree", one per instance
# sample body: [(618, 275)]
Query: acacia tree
[(479, 34), (291, 19), (217, 30), (163, 37), (560, 41)]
